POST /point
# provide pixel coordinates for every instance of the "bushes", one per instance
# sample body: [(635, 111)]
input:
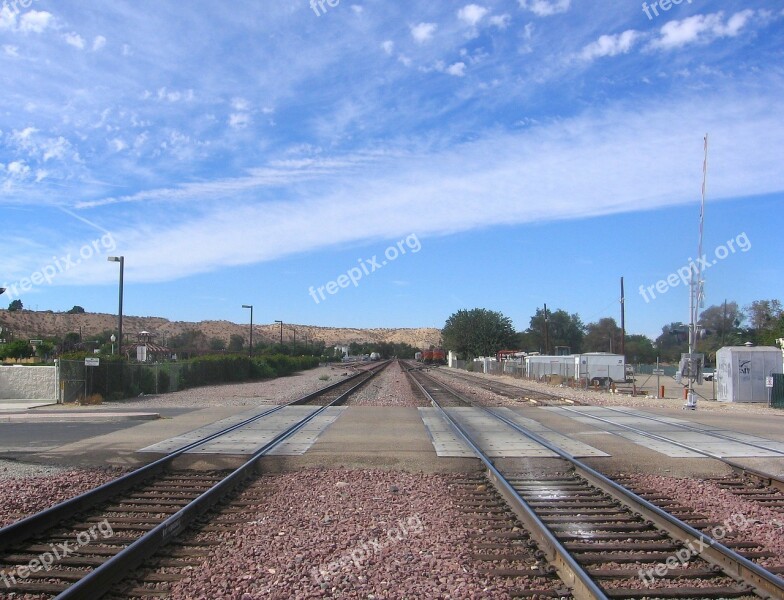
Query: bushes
[(208, 370)]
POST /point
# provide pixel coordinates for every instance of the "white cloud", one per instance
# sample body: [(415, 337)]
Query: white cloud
[(700, 29), (358, 10), (239, 120), (18, 168), (118, 145), (98, 43), (545, 8), (388, 46), (35, 21), (55, 148), (240, 104), (500, 21), (423, 32), (523, 171), (457, 69), (7, 18), (471, 14), (75, 40), (610, 45), (12, 51)]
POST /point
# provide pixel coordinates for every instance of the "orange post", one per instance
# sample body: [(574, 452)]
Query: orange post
[(661, 392)]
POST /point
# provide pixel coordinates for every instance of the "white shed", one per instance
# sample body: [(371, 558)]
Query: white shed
[(741, 372)]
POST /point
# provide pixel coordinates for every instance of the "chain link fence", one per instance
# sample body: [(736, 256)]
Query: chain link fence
[(116, 380)]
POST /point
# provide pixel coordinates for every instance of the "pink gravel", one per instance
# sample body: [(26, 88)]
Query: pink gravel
[(746, 520), (391, 387), (23, 496), (345, 534)]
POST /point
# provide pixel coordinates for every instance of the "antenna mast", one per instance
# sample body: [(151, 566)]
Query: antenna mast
[(696, 290)]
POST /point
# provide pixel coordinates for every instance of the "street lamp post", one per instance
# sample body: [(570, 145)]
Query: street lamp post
[(281, 332), (113, 339), (121, 260), (250, 349)]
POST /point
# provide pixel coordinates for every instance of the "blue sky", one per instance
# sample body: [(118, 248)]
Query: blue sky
[(244, 153)]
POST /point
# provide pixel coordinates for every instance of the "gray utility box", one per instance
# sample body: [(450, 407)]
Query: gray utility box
[(741, 372)]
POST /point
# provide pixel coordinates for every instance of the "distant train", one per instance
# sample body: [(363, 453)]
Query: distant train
[(437, 356)]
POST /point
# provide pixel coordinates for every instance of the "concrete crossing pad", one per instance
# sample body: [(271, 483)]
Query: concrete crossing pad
[(495, 437), (676, 433), (247, 440)]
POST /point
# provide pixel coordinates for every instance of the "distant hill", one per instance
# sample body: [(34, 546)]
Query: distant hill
[(27, 324)]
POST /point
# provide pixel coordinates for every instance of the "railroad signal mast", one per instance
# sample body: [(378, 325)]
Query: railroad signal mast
[(696, 293)]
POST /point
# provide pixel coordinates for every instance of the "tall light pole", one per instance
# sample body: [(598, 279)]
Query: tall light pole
[(250, 349), (121, 260), (294, 329), (281, 332)]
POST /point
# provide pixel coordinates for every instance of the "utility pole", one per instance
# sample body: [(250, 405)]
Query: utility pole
[(623, 323), (546, 332)]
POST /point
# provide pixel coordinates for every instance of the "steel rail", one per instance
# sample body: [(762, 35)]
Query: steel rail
[(764, 582), (499, 387), (34, 524), (583, 586), (99, 581)]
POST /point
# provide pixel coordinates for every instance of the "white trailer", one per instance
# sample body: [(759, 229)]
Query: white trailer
[(741, 372), (600, 367)]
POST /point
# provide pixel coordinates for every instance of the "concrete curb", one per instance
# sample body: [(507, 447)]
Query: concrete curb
[(88, 417)]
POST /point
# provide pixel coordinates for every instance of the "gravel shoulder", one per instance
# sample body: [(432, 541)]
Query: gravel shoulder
[(269, 391), (602, 398)]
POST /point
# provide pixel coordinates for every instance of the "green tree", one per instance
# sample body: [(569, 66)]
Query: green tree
[(763, 314), (236, 343), (18, 349), (15, 305), (76, 310), (217, 344), (602, 336), (640, 349), (563, 329), (478, 332), (673, 341)]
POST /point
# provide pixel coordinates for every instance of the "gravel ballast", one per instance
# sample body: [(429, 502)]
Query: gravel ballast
[(390, 387), (346, 534), (26, 489), (742, 520)]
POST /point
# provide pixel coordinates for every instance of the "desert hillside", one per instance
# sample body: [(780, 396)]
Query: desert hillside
[(26, 324)]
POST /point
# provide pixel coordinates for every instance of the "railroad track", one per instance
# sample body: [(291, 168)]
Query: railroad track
[(83, 547), (607, 542), (513, 392), (747, 483)]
